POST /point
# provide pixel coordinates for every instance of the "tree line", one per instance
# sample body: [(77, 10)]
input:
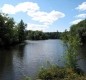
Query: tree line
[(39, 35), (12, 33)]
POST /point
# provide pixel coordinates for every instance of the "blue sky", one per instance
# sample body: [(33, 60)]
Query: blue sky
[(46, 15)]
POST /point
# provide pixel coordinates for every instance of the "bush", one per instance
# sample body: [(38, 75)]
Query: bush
[(51, 73), (57, 73)]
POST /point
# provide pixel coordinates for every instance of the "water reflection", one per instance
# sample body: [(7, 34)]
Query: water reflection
[(82, 56), (6, 65), (7, 71)]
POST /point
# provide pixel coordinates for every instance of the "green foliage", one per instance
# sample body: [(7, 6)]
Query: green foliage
[(27, 78), (53, 35), (35, 35), (6, 29), (51, 73), (9, 32), (39, 35), (21, 31), (73, 43), (64, 36), (73, 39), (80, 30), (57, 73)]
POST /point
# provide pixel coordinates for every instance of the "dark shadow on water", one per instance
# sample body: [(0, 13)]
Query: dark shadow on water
[(7, 71), (6, 68), (82, 58)]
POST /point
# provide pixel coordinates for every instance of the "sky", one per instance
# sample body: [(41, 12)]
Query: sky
[(45, 15)]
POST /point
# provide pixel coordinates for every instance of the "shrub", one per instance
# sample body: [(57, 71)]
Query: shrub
[(57, 73)]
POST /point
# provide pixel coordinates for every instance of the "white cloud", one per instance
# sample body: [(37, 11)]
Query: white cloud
[(33, 10), (45, 17), (9, 9), (27, 6), (76, 21), (31, 26), (82, 16), (24, 7), (82, 7)]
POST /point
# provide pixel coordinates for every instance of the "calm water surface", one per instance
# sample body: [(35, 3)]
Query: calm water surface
[(82, 58), (27, 59)]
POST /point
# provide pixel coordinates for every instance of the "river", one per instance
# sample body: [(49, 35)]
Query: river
[(27, 59)]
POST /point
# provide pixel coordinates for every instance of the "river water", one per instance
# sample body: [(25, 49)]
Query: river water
[(27, 59)]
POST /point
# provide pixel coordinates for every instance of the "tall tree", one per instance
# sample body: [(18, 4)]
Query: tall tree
[(6, 29), (21, 31)]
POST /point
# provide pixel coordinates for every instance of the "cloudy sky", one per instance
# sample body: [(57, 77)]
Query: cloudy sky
[(45, 15)]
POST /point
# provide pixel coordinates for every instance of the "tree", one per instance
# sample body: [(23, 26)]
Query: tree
[(6, 29), (80, 30), (21, 31)]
